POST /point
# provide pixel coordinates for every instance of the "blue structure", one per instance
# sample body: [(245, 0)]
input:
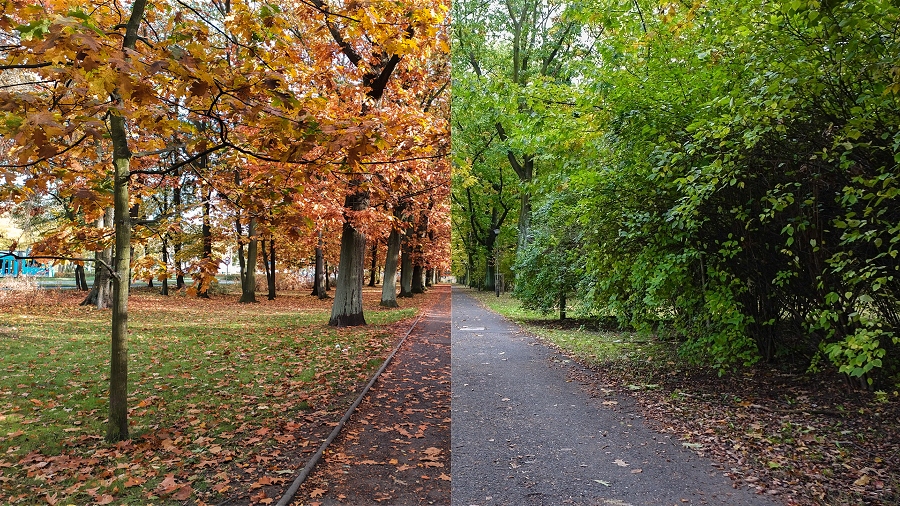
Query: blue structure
[(12, 266)]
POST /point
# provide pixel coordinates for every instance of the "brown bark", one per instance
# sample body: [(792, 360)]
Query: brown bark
[(374, 266), (347, 309), (389, 286), (248, 269), (320, 275), (101, 293), (406, 270)]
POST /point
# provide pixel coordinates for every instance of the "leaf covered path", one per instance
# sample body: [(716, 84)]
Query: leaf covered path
[(396, 447), (526, 433)]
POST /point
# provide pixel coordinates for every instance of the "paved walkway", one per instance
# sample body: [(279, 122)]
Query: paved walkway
[(395, 448), (524, 433)]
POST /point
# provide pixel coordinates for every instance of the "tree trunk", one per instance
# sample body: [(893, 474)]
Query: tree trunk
[(491, 259), (389, 285), (347, 309), (176, 247), (80, 279), (374, 266), (101, 294), (117, 430), (269, 263), (418, 278), (406, 269), (248, 271), (147, 253), (206, 233), (429, 278), (319, 277), (562, 306), (165, 260), (327, 278), (271, 280)]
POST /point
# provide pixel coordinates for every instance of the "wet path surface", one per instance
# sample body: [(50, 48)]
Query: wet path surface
[(524, 433)]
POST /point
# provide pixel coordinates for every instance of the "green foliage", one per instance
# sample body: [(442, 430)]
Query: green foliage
[(550, 265), (730, 177)]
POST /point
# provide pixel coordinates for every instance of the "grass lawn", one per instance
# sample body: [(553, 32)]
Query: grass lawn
[(217, 391), (579, 337)]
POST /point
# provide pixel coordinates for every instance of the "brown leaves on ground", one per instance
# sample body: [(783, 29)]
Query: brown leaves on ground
[(228, 401), (396, 448), (806, 439)]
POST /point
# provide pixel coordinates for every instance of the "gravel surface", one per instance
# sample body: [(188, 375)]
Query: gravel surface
[(523, 432)]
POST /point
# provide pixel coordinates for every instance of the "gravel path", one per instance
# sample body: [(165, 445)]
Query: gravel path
[(524, 433)]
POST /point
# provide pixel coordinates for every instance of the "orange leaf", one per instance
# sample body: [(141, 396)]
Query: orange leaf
[(105, 499), (318, 492)]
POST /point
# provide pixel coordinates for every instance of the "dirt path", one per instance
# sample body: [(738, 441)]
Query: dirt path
[(526, 433), (396, 448)]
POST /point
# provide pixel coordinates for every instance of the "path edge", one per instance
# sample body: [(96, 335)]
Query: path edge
[(307, 469)]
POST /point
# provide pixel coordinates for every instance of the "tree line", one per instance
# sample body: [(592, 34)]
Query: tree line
[(721, 172), (289, 128)]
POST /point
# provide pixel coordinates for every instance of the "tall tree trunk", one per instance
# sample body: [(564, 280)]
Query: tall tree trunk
[(206, 233), (347, 309), (406, 268), (165, 260), (429, 278), (319, 276), (389, 284), (248, 271), (327, 277), (491, 259), (147, 253), (270, 280), (562, 306), (176, 247), (418, 278), (101, 294), (374, 265), (117, 429)]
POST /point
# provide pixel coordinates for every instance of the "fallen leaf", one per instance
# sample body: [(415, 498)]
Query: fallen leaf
[(183, 493), (620, 463), (134, 481), (444, 477), (318, 492), (862, 481)]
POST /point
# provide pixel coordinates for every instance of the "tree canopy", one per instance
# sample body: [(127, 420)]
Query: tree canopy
[(728, 170)]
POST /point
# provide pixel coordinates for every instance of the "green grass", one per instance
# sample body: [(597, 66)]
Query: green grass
[(575, 336), (197, 369)]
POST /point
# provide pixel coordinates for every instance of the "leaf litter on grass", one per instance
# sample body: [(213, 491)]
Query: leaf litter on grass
[(223, 396)]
